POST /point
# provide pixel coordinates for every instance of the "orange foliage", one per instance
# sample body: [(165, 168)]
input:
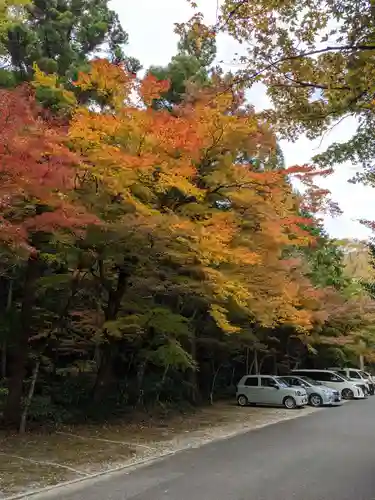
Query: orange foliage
[(183, 163), (37, 172)]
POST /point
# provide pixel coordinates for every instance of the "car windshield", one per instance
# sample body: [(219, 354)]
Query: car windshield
[(363, 374), (342, 376), (310, 381), (283, 383)]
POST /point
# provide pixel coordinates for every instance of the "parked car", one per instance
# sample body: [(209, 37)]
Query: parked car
[(358, 377), (347, 389), (317, 393), (371, 381), (269, 390)]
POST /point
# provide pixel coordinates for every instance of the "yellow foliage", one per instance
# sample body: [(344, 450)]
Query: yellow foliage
[(183, 159), (43, 80)]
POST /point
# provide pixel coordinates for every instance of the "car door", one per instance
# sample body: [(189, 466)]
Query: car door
[(297, 382), (324, 378), (335, 381), (251, 389), (355, 377), (269, 391)]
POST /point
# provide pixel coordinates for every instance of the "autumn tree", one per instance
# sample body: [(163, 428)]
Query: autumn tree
[(197, 267), (37, 172), (191, 66), (11, 12), (317, 63), (186, 173)]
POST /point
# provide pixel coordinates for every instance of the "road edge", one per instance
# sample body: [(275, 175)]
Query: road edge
[(150, 460)]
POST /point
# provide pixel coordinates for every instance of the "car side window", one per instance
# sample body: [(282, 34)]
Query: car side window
[(251, 382), (335, 378), (353, 374), (267, 382), (313, 375), (295, 381), (325, 376)]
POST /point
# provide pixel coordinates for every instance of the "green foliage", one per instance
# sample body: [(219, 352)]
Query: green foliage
[(317, 61), (197, 40), (60, 36), (172, 355), (182, 71), (190, 68)]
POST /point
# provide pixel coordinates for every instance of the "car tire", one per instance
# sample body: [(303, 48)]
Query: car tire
[(315, 400), (347, 394), (242, 400), (290, 403)]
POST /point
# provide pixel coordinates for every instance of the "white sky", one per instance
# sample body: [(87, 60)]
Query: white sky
[(152, 40)]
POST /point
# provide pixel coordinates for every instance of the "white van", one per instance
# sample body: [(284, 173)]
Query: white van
[(356, 376), (347, 389)]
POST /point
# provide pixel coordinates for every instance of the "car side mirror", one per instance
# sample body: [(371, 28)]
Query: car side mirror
[(276, 387)]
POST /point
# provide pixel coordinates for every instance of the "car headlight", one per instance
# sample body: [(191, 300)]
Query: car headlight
[(299, 393)]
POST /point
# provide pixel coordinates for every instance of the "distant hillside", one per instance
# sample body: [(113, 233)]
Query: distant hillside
[(356, 259)]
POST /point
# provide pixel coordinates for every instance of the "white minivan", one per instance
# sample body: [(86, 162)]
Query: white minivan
[(347, 389), (269, 390), (356, 376)]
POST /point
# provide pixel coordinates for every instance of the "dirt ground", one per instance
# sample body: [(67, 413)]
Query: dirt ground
[(37, 460)]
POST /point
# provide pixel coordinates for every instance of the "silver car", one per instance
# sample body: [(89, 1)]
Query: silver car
[(317, 393), (269, 390)]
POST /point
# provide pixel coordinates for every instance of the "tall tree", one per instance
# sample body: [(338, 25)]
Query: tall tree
[(37, 172), (317, 61), (182, 170), (60, 36), (192, 64)]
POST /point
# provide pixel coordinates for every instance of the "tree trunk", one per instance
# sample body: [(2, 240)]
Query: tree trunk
[(361, 362), (104, 376), (192, 373), (4, 346), (4, 360), (140, 376), (231, 383), (256, 362), (247, 360), (105, 371), (20, 349), (29, 397), (162, 382), (213, 384)]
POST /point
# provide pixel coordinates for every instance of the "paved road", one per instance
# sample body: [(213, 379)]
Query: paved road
[(329, 455)]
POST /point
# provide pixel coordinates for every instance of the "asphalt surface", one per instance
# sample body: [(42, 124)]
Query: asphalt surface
[(329, 455)]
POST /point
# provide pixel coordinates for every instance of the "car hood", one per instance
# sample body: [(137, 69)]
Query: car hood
[(326, 389), (300, 390)]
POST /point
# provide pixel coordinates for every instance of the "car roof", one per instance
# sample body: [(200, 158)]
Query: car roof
[(311, 370)]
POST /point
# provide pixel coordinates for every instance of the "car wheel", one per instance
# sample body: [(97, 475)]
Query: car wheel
[(347, 394), (315, 400), (289, 403), (242, 400)]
